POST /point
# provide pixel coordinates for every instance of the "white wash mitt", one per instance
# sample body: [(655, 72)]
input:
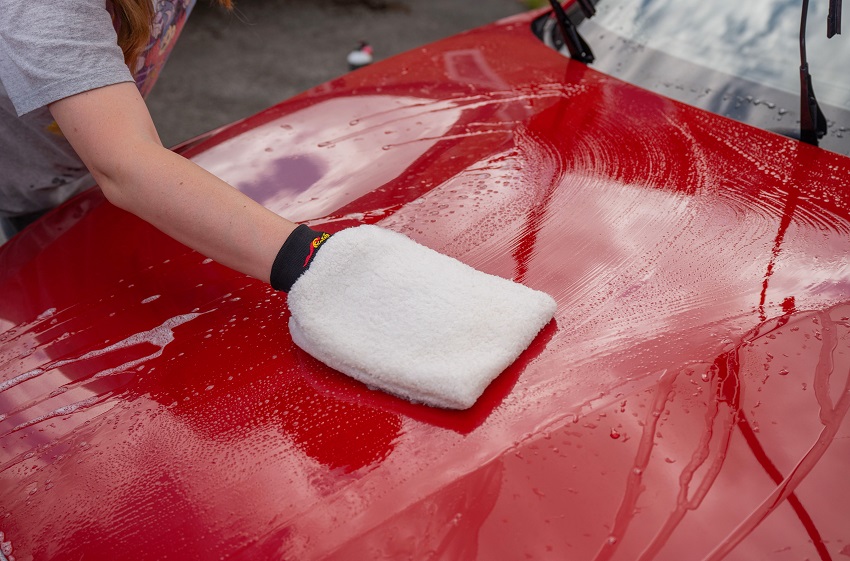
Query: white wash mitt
[(405, 319)]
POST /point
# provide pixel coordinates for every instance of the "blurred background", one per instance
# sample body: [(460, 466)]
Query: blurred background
[(230, 65)]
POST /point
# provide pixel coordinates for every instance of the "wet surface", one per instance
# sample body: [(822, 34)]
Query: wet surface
[(738, 61), (689, 401)]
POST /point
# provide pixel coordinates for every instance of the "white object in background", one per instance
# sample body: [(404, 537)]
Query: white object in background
[(361, 56)]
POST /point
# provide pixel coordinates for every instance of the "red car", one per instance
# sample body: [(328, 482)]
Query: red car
[(689, 401)]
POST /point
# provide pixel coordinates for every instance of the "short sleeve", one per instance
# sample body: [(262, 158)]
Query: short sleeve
[(52, 49)]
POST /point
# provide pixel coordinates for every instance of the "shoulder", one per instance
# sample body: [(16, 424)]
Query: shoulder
[(50, 49)]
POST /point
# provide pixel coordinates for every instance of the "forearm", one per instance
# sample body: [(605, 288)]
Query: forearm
[(111, 130), (197, 209)]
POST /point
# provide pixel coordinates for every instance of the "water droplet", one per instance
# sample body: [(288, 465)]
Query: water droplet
[(614, 434)]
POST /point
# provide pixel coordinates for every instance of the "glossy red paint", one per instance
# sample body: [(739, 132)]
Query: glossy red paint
[(688, 402)]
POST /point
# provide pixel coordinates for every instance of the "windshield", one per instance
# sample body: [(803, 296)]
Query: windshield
[(739, 59), (754, 39)]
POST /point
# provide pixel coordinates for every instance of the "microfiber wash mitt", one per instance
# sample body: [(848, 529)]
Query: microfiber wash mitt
[(410, 321)]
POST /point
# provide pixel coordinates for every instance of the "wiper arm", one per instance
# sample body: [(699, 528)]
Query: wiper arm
[(812, 121), (589, 9), (578, 48), (833, 19)]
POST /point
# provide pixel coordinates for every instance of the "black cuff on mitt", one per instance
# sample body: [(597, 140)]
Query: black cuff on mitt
[(295, 256)]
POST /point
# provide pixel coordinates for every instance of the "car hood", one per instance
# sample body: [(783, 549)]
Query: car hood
[(689, 399)]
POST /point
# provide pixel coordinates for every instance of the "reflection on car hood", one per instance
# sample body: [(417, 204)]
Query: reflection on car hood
[(689, 400)]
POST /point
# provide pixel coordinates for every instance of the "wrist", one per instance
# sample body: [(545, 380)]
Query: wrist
[(295, 256)]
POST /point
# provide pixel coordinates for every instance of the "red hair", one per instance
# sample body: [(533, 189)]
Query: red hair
[(134, 31)]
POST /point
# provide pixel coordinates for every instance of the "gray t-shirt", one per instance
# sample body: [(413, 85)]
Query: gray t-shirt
[(51, 49)]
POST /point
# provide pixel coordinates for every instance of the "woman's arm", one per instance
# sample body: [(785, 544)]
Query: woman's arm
[(111, 130)]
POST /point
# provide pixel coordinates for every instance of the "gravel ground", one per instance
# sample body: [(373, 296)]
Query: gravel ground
[(227, 66)]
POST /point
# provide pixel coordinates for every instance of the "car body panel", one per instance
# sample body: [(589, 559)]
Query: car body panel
[(688, 401)]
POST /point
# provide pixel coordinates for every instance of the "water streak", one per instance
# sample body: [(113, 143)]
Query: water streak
[(159, 336), (547, 91), (634, 484), (831, 417)]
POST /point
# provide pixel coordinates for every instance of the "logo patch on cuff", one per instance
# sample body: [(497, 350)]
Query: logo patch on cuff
[(314, 245)]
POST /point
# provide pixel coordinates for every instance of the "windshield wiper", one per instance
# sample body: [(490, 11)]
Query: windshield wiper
[(576, 45), (812, 120), (833, 19), (589, 9)]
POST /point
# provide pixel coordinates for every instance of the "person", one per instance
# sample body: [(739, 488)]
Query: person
[(73, 76)]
